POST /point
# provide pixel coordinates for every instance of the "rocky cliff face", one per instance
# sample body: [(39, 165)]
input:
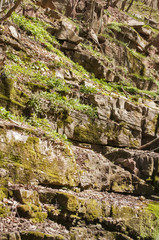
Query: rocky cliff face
[(79, 122)]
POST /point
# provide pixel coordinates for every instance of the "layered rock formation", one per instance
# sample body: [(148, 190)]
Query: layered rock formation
[(79, 122)]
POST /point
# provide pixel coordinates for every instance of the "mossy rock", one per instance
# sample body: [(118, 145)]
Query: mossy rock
[(7, 86), (123, 212), (67, 202), (89, 133), (153, 207), (3, 193), (140, 223), (32, 212), (93, 210), (25, 211), (4, 236), (10, 94), (40, 236), (27, 196), (32, 235), (136, 65), (47, 197), (106, 210), (69, 120), (28, 159), (53, 212), (141, 226), (39, 217), (4, 210), (60, 124)]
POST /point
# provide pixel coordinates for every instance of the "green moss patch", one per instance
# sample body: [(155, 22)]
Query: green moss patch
[(40, 236), (68, 202), (154, 208), (28, 161), (32, 212), (93, 210), (4, 210)]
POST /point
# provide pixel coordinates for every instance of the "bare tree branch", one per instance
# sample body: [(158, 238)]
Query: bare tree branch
[(150, 145), (9, 13), (131, 3)]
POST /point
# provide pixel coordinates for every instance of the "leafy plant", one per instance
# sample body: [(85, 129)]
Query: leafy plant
[(36, 29), (87, 89), (44, 124), (44, 102), (5, 114), (115, 26)]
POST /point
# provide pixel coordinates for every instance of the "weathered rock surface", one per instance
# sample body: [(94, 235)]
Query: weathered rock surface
[(79, 122), (87, 169), (31, 159), (68, 32), (124, 216), (142, 163)]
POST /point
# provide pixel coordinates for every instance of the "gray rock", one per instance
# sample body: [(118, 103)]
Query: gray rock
[(14, 32), (27, 196), (68, 32), (3, 172), (135, 23)]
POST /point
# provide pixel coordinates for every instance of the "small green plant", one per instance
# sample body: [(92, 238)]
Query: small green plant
[(38, 122), (14, 58), (57, 84), (115, 26), (88, 109), (5, 114), (95, 52), (38, 65), (107, 12), (87, 89), (136, 54)]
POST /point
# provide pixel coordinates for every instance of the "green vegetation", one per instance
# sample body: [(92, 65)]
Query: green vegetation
[(154, 208), (57, 95), (115, 26), (59, 104), (4, 114), (36, 29), (35, 122), (94, 52), (36, 72), (143, 9), (88, 89)]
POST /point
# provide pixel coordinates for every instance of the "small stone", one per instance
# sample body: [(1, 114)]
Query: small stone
[(3, 172), (141, 198), (14, 32)]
